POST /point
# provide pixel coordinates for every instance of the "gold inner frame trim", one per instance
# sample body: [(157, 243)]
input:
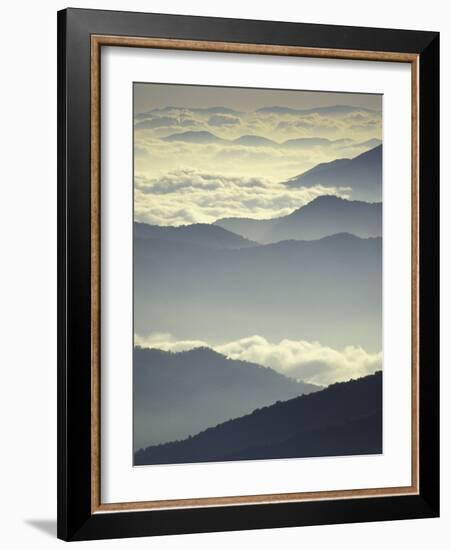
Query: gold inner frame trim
[(97, 41)]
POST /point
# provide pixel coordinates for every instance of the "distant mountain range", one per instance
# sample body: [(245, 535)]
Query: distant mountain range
[(202, 137), (254, 141), (328, 110), (322, 217), (198, 233), (363, 174), (328, 289), (176, 395), (343, 419), (206, 137), (218, 109)]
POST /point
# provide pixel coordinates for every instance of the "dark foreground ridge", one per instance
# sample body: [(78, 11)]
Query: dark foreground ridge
[(343, 419), (181, 394)]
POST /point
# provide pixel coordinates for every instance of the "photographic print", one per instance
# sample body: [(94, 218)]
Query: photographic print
[(257, 247)]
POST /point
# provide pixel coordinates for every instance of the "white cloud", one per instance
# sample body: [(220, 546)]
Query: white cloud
[(308, 361), (223, 120), (189, 196), (166, 342)]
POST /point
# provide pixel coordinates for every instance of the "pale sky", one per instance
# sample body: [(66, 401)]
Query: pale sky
[(150, 96)]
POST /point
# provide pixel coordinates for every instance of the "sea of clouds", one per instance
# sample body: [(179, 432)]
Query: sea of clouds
[(188, 196), (183, 182)]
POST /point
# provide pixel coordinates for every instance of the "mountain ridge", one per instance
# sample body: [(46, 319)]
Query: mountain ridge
[(198, 233), (177, 393), (342, 419), (193, 285), (363, 174), (321, 217)]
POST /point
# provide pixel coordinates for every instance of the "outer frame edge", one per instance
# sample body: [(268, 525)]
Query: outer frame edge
[(62, 496), (429, 189), (252, 517), (93, 527)]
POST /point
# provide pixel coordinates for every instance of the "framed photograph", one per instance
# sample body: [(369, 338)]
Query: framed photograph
[(248, 274)]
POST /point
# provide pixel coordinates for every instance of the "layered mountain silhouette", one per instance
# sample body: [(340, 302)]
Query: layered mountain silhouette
[(314, 275), (200, 233), (329, 110), (217, 109), (205, 137), (328, 289), (201, 137), (254, 141), (363, 174), (179, 394), (343, 419), (322, 217)]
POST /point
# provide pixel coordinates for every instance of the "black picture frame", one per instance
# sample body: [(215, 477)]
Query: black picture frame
[(76, 520)]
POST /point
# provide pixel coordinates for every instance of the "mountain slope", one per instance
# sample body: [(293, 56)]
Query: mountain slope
[(362, 173), (343, 419), (200, 233), (254, 141), (328, 290), (202, 137), (179, 394), (323, 216), (369, 144)]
